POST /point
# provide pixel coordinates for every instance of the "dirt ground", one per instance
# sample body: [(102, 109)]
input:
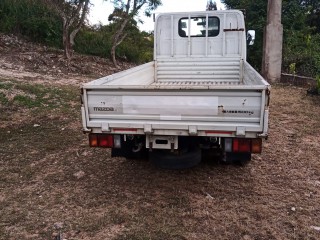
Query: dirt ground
[(52, 183)]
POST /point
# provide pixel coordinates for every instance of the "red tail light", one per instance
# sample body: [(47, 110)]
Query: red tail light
[(105, 141), (93, 140), (101, 140), (247, 145), (244, 145), (256, 145), (235, 145)]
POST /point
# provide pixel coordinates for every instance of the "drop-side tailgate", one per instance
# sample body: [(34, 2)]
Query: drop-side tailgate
[(176, 112)]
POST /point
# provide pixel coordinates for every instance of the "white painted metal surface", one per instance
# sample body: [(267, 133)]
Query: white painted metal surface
[(227, 43)]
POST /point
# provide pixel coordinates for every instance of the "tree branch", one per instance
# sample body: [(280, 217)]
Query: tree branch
[(121, 40), (128, 6)]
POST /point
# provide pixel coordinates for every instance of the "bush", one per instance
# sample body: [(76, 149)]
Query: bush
[(302, 51), (31, 18), (137, 47), (93, 42)]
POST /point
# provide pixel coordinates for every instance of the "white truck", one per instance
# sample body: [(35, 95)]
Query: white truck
[(199, 94)]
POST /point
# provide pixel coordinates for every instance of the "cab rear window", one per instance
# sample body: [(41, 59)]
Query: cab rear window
[(197, 27)]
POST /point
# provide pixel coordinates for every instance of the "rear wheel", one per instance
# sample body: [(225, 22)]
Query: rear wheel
[(237, 158), (175, 160)]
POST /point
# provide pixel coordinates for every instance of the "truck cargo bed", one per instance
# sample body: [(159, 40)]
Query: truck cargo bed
[(134, 100), (143, 77)]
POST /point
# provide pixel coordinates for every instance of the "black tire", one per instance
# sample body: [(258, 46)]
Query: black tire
[(129, 154), (212, 155), (237, 158), (169, 160)]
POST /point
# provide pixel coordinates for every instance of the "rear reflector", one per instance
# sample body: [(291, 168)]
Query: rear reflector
[(243, 145), (116, 141), (228, 144), (101, 140), (235, 145), (256, 145), (93, 140), (105, 141)]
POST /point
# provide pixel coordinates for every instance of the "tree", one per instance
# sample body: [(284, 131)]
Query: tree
[(123, 16), (211, 6), (73, 14), (256, 16), (313, 12), (301, 24)]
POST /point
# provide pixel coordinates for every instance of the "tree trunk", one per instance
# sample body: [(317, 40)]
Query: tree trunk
[(66, 42), (67, 51), (113, 55), (117, 39), (272, 43), (75, 19)]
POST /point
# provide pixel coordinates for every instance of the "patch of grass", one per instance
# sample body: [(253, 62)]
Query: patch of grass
[(6, 85), (26, 101), (3, 99), (37, 97), (38, 90), (49, 97)]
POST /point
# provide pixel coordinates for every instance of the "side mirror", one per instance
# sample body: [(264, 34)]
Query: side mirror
[(251, 36)]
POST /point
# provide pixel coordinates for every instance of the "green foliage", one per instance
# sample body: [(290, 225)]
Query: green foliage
[(31, 18), (137, 47), (94, 41), (255, 18), (292, 68), (124, 18), (35, 20), (301, 40), (303, 50)]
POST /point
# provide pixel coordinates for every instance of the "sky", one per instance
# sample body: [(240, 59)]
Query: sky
[(101, 10)]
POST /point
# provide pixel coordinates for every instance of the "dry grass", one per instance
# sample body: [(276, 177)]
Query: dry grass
[(49, 175)]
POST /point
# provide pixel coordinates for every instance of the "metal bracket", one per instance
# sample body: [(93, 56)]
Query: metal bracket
[(193, 130), (86, 130), (161, 142), (147, 128), (105, 127), (263, 135), (241, 131)]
